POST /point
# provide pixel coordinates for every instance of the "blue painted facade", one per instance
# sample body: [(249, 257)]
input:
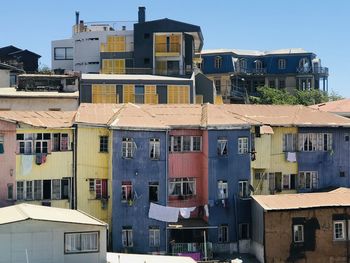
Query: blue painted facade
[(328, 164), (232, 168), (140, 171)]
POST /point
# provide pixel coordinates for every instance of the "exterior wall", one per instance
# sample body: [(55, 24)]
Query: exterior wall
[(318, 245), (61, 64), (328, 164), (205, 87), (270, 158), (231, 168), (7, 161), (257, 242), (4, 78), (93, 164), (58, 165), (44, 242), (39, 104), (140, 171)]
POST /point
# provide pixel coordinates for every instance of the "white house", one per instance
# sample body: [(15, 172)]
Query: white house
[(30, 233)]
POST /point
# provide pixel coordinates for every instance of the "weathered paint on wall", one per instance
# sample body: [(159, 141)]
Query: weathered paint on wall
[(279, 236), (7, 161), (93, 164), (140, 171)]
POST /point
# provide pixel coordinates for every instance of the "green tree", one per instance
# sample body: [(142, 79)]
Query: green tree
[(273, 96), (310, 97)]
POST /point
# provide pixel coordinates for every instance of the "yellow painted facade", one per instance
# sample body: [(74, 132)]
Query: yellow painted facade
[(168, 44), (93, 164), (58, 165), (270, 158)]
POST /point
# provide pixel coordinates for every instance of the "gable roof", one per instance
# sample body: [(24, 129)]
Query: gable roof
[(4, 51), (25, 51), (21, 212), (337, 198), (42, 119), (340, 107), (242, 52)]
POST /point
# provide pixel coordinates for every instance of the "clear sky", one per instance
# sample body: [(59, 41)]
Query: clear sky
[(319, 26)]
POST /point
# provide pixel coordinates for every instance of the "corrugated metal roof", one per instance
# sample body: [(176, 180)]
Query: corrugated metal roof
[(23, 212), (99, 114), (341, 107), (304, 200), (128, 77), (12, 92), (44, 119), (243, 52), (142, 258)]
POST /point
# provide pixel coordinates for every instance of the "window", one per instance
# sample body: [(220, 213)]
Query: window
[(282, 64), (327, 141), (29, 190), (272, 84), (1, 143), (37, 189), (308, 180), (63, 53), (128, 148), (222, 146), (178, 94), (99, 188), (243, 189), (288, 181), (103, 144), (218, 86), (258, 66), (298, 233), (56, 189), (315, 142), (154, 236), (20, 190), (182, 187), (223, 234), (217, 62), (81, 242), (281, 83), (304, 65), (339, 230), (9, 191), (64, 189), (153, 191), (244, 231), (242, 145), (342, 174), (243, 65), (104, 93), (289, 142), (185, 143), (139, 94), (222, 189), (60, 142), (127, 193), (64, 145), (154, 149), (24, 143), (127, 237)]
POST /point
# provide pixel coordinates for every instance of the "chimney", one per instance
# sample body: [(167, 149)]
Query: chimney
[(76, 17), (142, 14)]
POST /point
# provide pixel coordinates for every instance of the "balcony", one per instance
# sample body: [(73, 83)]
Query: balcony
[(313, 70), (238, 92), (167, 50), (255, 71), (192, 248)]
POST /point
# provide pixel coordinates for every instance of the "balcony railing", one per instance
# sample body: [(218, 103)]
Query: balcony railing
[(168, 72), (168, 48), (313, 70), (251, 70), (178, 248)]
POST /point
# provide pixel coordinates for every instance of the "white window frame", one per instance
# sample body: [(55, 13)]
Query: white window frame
[(180, 183), (154, 236), (282, 63), (243, 146), (125, 189), (287, 178), (74, 242), (343, 234), (128, 148), (154, 149), (22, 191), (298, 229), (55, 195), (177, 143), (29, 186), (127, 237), (289, 142), (222, 189), (218, 62), (222, 144), (243, 187), (36, 190), (308, 180), (223, 234)]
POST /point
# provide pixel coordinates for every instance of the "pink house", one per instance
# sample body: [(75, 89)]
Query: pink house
[(7, 162)]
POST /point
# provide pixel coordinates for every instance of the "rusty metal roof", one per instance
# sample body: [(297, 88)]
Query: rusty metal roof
[(96, 114), (43, 119), (304, 200), (341, 107)]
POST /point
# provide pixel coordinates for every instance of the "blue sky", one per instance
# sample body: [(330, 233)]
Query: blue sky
[(318, 26)]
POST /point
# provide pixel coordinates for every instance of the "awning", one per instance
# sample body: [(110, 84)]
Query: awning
[(265, 129), (190, 224)]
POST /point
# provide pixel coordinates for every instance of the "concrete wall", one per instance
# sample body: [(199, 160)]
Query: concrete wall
[(39, 104), (61, 64), (44, 242), (4, 78), (278, 236), (92, 164), (7, 161), (140, 170)]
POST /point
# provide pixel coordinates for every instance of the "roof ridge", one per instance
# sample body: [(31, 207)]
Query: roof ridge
[(20, 210), (154, 117), (115, 115), (204, 115)]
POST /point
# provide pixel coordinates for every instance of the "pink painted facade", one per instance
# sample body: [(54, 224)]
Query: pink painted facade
[(7, 162), (190, 165)]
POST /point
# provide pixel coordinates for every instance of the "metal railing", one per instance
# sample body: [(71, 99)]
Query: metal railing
[(251, 70), (168, 48), (314, 70), (192, 248)]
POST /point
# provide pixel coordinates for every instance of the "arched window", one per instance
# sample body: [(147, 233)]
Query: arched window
[(304, 65), (218, 62), (243, 64), (258, 65)]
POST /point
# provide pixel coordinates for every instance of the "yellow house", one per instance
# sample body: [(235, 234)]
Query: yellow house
[(44, 157)]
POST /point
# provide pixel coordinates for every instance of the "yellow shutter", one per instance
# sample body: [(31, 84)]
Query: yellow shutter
[(199, 99), (151, 96), (218, 99), (128, 93), (178, 94), (160, 41), (175, 43), (104, 93), (161, 67)]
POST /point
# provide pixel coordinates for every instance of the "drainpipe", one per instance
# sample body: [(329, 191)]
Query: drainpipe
[(166, 185), (236, 219), (74, 181)]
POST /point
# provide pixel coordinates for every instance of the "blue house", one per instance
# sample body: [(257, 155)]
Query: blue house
[(238, 73)]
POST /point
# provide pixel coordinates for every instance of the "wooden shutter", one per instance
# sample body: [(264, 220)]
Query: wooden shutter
[(128, 93)]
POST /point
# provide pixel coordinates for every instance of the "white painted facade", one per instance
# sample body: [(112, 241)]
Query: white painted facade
[(4, 78), (43, 242), (86, 49)]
